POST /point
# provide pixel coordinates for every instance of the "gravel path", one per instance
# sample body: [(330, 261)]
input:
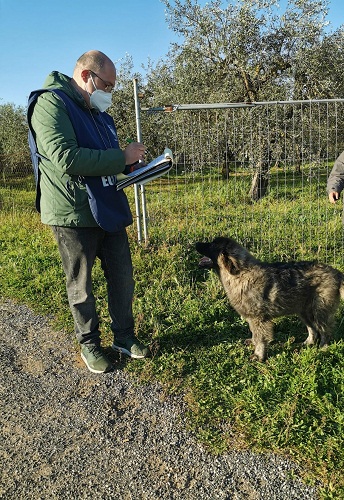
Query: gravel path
[(69, 434)]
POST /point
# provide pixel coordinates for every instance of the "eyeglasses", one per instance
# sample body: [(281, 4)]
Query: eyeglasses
[(108, 86)]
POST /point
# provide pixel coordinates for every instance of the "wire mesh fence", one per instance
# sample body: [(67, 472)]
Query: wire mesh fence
[(255, 172)]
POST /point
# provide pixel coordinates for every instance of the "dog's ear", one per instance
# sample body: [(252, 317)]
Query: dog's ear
[(229, 263)]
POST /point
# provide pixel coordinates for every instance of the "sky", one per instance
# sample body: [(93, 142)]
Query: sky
[(40, 36)]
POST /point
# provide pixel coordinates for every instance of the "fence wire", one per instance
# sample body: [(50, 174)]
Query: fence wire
[(256, 173)]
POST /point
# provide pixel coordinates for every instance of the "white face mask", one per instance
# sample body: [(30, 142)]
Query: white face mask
[(101, 100)]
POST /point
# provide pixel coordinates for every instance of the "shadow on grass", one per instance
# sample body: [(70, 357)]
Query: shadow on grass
[(119, 360), (289, 335)]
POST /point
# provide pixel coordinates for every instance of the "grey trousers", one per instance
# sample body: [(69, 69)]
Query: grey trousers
[(79, 247)]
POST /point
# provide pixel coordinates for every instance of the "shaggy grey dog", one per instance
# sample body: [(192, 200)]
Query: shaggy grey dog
[(261, 291)]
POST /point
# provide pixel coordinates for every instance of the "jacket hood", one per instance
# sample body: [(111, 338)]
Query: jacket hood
[(57, 80)]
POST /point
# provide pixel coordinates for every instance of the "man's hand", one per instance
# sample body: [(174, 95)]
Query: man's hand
[(134, 152), (333, 196)]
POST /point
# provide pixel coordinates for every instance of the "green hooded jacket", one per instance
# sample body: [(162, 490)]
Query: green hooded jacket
[(64, 200)]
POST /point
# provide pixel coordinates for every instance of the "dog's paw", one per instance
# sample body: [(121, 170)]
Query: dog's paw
[(257, 358), (323, 347), (248, 342), (309, 342)]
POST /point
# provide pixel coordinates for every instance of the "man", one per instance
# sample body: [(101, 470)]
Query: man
[(77, 144)]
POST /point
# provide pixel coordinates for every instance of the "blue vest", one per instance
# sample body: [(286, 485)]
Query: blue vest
[(110, 208)]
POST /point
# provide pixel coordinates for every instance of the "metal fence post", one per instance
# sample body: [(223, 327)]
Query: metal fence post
[(142, 187)]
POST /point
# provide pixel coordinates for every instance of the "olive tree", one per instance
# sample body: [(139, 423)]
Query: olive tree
[(246, 51), (123, 104), (318, 71), (14, 149)]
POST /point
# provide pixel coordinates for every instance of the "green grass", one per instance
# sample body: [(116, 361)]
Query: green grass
[(293, 404)]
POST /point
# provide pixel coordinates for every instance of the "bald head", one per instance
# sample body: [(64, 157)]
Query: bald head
[(94, 60), (93, 67)]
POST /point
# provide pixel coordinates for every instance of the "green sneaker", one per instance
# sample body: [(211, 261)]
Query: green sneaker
[(95, 358), (131, 347)]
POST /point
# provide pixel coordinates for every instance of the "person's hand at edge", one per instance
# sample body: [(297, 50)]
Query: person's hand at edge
[(333, 196)]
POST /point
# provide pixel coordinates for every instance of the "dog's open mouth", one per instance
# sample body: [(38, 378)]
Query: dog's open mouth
[(205, 262)]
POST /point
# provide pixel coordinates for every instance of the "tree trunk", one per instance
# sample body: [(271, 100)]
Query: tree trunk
[(260, 182)]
